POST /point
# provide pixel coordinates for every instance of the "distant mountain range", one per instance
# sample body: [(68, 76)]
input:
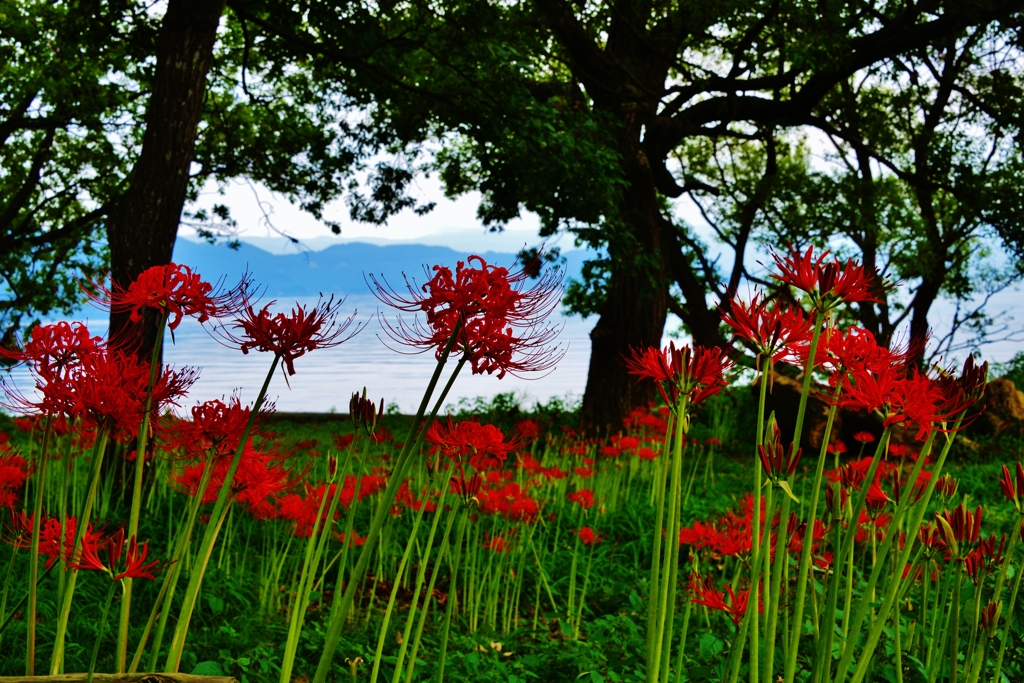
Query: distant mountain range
[(338, 269)]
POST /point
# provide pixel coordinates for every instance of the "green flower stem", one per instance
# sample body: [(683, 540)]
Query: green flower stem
[(33, 560), (781, 557), (681, 659), (210, 536), (805, 553), (100, 630), (428, 598), (823, 660), (742, 634), (98, 450), (314, 551), (1005, 638), (344, 603), (420, 577), (133, 519), (755, 528), (389, 610), (161, 608), (954, 630), (658, 483), (670, 555), (452, 594), (897, 571), (583, 595)]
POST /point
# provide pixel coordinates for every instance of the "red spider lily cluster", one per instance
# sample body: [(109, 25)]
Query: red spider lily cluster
[(173, 290), (119, 564), (498, 322), (14, 470), (289, 335), (695, 373)]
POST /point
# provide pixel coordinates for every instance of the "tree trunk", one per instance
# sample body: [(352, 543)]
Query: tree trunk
[(633, 316), (143, 224), (636, 306)]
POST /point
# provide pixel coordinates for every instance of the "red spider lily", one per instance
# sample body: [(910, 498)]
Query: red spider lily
[(990, 617), (828, 284), (1012, 486), (932, 538), (646, 453), (355, 538), (261, 475), (698, 372), (467, 489), (984, 558), (52, 351), (584, 498), (899, 398), (836, 496), (961, 527), (778, 462), (110, 392), (876, 499), (946, 485), (302, 510), (777, 331), (864, 437), (587, 536), (364, 413), (483, 447), (496, 543), (14, 470), (704, 593), (501, 321), (343, 441), (175, 291), (214, 431), (406, 498), (837, 447), (509, 501), (289, 335), (134, 565), (55, 539)]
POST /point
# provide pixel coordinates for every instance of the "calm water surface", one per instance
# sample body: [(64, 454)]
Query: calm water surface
[(326, 378)]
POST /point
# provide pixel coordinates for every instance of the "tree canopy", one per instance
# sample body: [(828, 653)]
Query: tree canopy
[(599, 117)]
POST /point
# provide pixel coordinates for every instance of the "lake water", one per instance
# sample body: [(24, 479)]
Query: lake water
[(326, 378)]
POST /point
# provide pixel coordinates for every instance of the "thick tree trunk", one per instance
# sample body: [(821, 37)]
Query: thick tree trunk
[(634, 312), (143, 224), (633, 317)]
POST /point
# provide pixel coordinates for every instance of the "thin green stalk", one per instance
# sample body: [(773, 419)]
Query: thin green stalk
[(99, 448), (659, 482), (1005, 638), (121, 652), (99, 632), (344, 603), (33, 571), (162, 605), (897, 571), (781, 557), (389, 610), (210, 536), (420, 576), (452, 595)]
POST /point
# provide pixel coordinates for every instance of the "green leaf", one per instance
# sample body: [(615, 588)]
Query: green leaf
[(208, 668), (710, 645)]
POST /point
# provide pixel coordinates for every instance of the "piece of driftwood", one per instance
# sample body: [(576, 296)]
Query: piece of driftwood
[(119, 678)]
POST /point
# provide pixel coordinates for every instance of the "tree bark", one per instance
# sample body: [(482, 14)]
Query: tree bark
[(143, 223)]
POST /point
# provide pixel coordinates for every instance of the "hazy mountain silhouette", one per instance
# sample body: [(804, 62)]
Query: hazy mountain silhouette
[(338, 269)]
